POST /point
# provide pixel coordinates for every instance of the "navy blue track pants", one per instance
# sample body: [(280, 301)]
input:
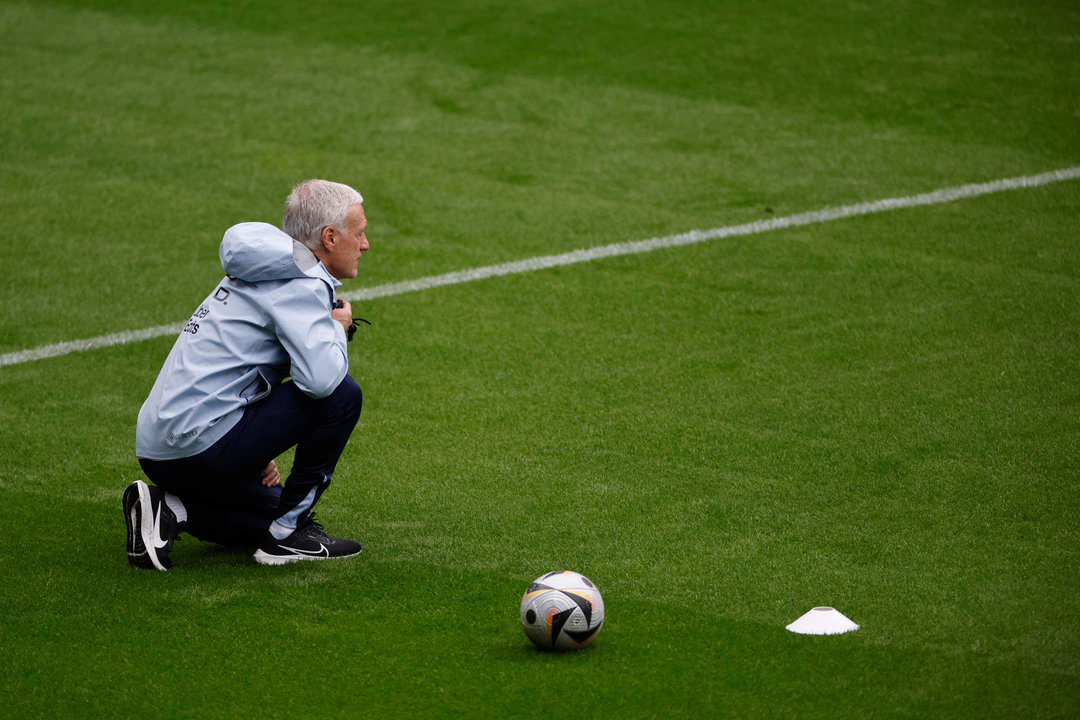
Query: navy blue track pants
[(221, 488)]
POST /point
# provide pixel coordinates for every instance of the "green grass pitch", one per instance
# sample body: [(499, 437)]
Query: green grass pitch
[(880, 414)]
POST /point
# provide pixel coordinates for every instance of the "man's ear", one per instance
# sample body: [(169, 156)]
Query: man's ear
[(328, 238)]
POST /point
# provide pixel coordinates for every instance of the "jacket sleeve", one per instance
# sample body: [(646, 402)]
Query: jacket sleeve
[(314, 341)]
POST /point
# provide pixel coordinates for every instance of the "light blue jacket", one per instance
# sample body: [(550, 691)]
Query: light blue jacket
[(268, 319)]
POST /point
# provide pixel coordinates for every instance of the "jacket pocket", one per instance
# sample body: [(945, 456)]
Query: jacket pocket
[(256, 390)]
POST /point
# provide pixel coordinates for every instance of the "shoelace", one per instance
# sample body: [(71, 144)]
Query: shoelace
[(314, 528)]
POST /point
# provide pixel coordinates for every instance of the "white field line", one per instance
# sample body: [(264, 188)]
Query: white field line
[(935, 197)]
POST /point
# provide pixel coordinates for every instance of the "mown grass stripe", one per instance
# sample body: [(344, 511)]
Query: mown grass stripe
[(696, 236), (935, 197)]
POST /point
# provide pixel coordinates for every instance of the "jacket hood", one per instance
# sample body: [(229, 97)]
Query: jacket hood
[(256, 251)]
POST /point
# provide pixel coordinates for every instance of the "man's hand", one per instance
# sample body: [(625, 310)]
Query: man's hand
[(270, 476), (343, 314)]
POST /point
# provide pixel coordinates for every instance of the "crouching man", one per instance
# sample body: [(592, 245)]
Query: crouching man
[(222, 409)]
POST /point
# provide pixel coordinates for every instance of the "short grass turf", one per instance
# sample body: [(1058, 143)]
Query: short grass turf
[(879, 414)]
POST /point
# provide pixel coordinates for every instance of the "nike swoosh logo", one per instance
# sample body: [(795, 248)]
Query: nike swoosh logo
[(157, 529), (297, 551)]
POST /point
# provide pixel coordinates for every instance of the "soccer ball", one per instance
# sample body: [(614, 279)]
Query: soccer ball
[(562, 611)]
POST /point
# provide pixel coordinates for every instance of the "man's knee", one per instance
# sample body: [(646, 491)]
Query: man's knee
[(348, 396)]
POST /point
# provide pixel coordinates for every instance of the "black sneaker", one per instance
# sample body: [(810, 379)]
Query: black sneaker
[(151, 527), (308, 542)]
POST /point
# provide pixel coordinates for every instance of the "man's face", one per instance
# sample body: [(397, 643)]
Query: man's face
[(341, 260)]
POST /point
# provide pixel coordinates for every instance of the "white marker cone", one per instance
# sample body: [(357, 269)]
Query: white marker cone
[(822, 621)]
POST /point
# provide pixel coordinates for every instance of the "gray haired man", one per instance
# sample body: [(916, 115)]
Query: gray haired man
[(259, 368)]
